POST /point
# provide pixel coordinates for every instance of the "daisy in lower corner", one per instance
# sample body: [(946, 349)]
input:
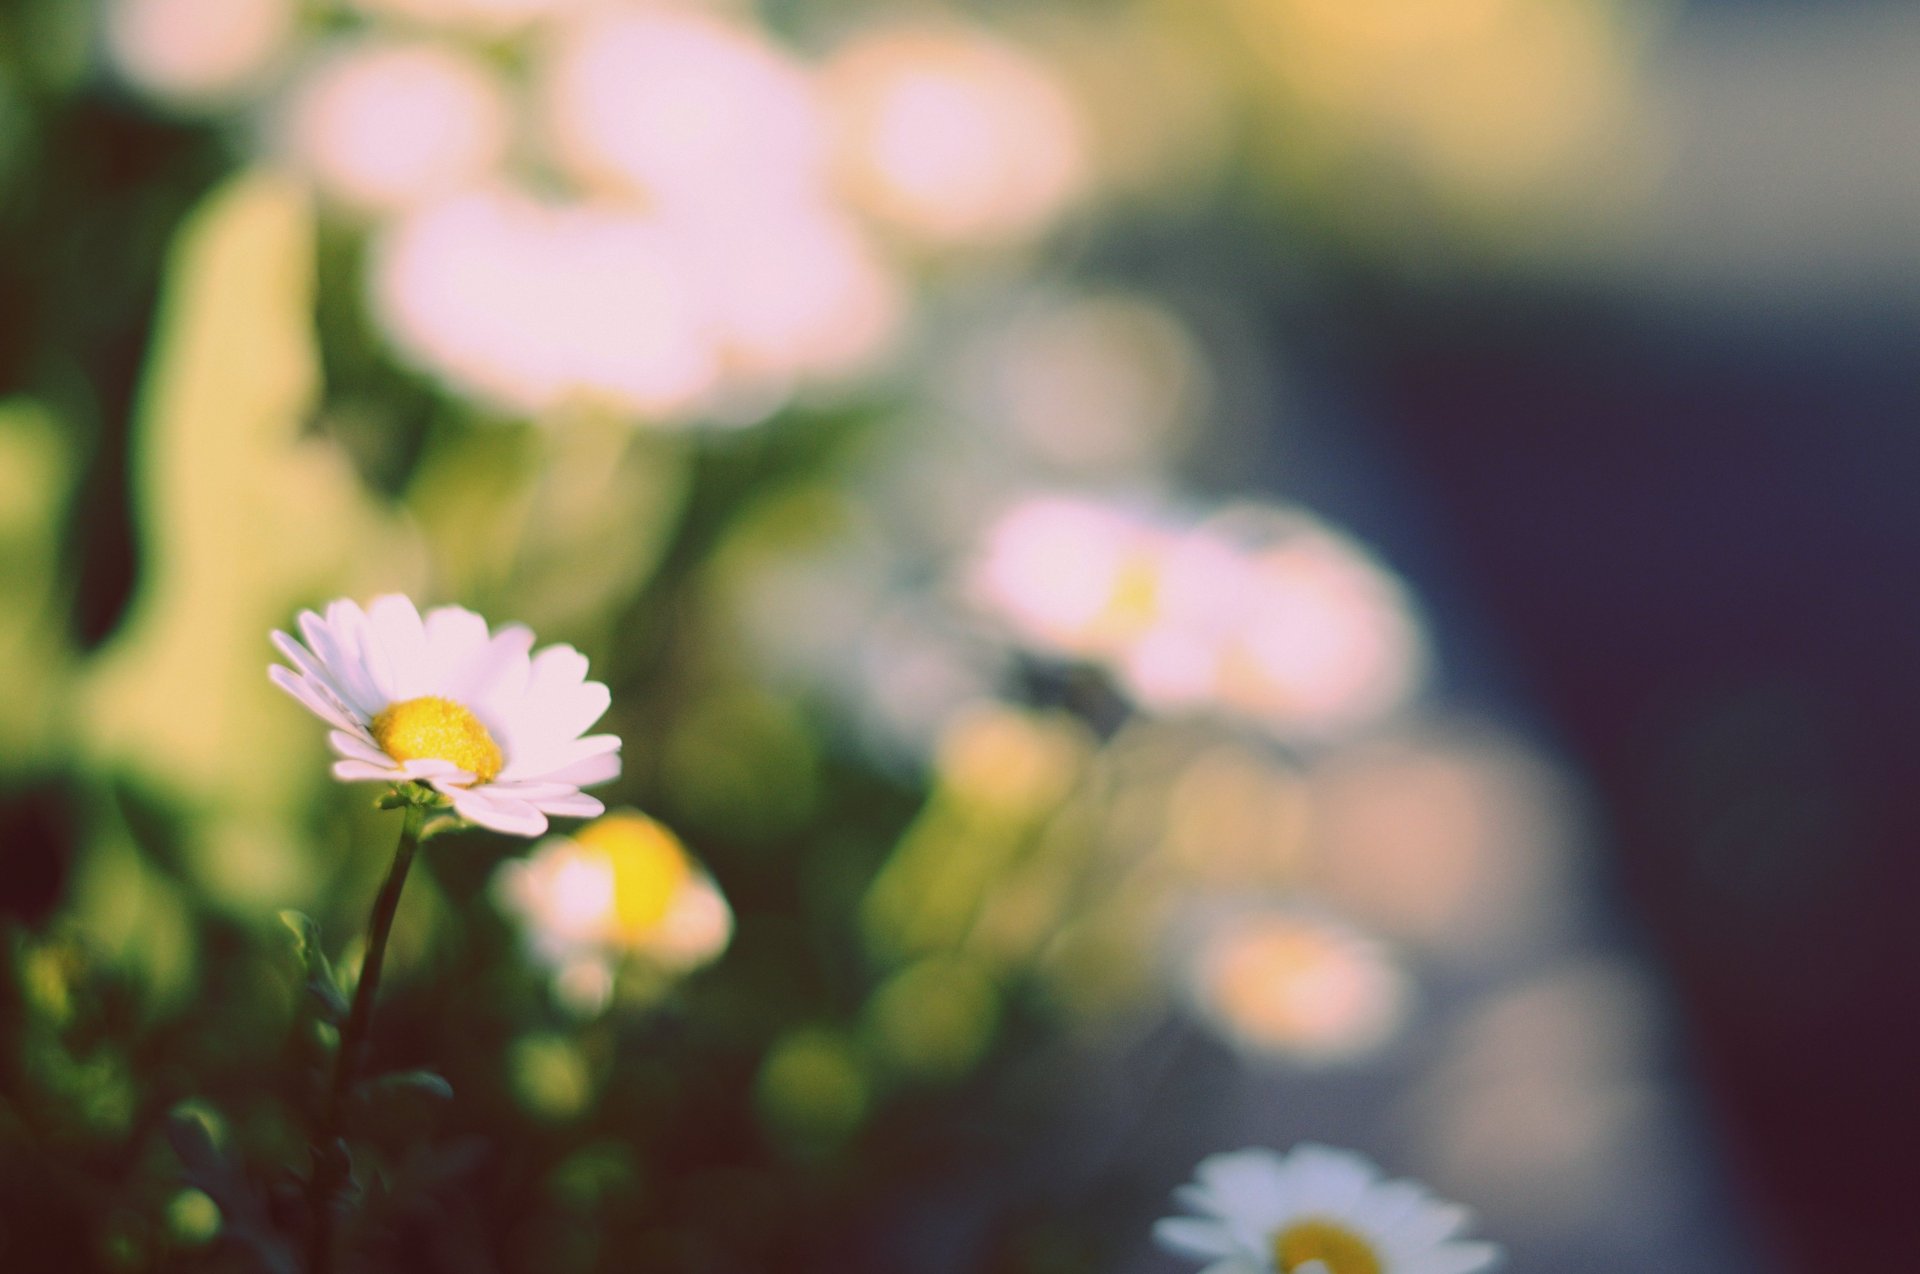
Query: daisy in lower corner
[(495, 727), (620, 892), (1315, 1210)]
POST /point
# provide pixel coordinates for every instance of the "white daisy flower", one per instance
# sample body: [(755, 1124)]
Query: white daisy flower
[(441, 701), (622, 885), (1316, 1210)]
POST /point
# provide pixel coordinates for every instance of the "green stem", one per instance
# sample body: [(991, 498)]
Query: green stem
[(329, 1158)]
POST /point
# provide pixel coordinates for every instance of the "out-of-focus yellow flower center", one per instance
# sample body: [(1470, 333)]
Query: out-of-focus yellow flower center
[(432, 728), (1134, 602), (649, 868), (1333, 1245)]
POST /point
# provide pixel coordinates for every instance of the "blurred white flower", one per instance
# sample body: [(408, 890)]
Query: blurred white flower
[(1199, 595), (383, 125), (1450, 838), (443, 702), (484, 18), (1544, 1098), (198, 53), (1328, 640), (534, 306), (682, 109), (1010, 762), (621, 886), (1103, 385), (1287, 985), (1316, 1210), (1258, 614), (794, 289), (953, 136), (1072, 576)]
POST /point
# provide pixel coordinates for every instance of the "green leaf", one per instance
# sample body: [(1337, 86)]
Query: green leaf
[(395, 1109), (333, 1004), (306, 934), (190, 1133), (37, 470), (322, 984), (415, 1083)]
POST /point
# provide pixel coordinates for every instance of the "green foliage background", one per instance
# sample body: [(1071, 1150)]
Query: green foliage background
[(162, 1063), (937, 1041)]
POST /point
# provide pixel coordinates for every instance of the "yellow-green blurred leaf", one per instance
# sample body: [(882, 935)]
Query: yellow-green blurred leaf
[(742, 763), (813, 1090), (601, 516), (550, 1076), (36, 477), (243, 520), (935, 1018), (134, 917)]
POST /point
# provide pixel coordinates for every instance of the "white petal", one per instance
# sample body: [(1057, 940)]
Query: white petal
[(1393, 1209), (313, 670), (555, 669), (578, 805), (359, 654), (1190, 1236), (498, 673), (540, 726), (1321, 1178), (1434, 1222), (339, 642), (313, 697), (532, 789), (361, 772), (551, 707), (600, 768), (575, 710), (401, 639), (515, 818), (354, 747), (455, 639), (1248, 1187), (544, 764), (1464, 1258)]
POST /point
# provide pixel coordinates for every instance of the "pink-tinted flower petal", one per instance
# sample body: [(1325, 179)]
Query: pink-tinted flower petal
[(355, 747), (542, 764), (309, 666), (312, 697), (481, 807), (400, 636), (362, 772), (576, 805)]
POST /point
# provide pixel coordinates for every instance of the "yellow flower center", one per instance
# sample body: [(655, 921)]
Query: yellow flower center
[(432, 728), (649, 868), (1336, 1247), (1135, 600)]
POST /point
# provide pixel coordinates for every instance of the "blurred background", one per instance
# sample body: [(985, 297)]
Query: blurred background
[(1177, 574)]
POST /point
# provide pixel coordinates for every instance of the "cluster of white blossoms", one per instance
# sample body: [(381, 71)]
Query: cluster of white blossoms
[(493, 726), (1316, 1210), (656, 212), (700, 263), (1025, 386), (1258, 614)]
